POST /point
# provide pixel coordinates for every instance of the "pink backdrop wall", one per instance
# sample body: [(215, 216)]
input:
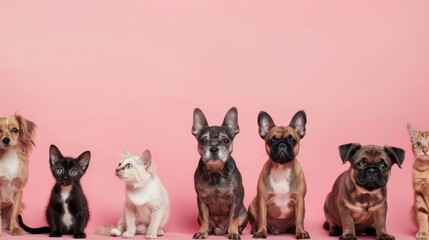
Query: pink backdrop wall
[(102, 76)]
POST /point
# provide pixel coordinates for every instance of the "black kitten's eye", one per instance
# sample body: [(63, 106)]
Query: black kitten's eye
[(203, 141), (383, 165), (15, 130), (59, 171), (419, 144), (128, 166), (361, 163), (226, 141), (73, 172)]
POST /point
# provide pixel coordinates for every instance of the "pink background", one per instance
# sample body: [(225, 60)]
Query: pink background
[(102, 76)]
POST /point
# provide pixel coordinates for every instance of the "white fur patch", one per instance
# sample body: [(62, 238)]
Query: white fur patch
[(9, 165), (67, 217), (280, 182)]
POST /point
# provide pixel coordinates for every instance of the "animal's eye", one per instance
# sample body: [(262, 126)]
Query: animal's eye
[(291, 140), (203, 141), (59, 171), (128, 166), (361, 163), (15, 130), (419, 144), (272, 140), (383, 165), (73, 172), (226, 140)]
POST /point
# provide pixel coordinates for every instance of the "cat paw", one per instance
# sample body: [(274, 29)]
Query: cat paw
[(303, 235), (127, 234), (200, 235), (422, 236), (150, 235), (79, 235), (260, 235), (16, 231), (160, 232), (234, 236), (348, 236), (55, 234), (115, 232), (386, 237)]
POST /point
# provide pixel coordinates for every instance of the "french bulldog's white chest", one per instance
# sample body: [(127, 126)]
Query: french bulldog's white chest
[(280, 182)]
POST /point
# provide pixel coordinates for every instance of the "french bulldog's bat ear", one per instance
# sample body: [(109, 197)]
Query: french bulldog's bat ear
[(231, 120), (265, 123), (54, 155), (199, 122), (411, 130), (298, 123), (347, 151), (397, 155)]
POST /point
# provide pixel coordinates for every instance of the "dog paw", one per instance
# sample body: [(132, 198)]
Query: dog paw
[(16, 231), (422, 236), (115, 232), (234, 236), (79, 235), (200, 235), (127, 234), (335, 231), (55, 234), (260, 235), (348, 237), (386, 237), (303, 235)]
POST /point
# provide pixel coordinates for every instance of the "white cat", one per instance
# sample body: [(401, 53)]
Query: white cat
[(146, 209)]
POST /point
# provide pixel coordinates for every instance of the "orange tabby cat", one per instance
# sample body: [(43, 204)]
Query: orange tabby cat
[(420, 210)]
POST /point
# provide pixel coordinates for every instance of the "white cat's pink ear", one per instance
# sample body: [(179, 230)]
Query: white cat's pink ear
[(146, 157), (126, 152), (411, 130)]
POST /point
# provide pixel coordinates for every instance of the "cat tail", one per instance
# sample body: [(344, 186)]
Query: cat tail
[(105, 230), (32, 230)]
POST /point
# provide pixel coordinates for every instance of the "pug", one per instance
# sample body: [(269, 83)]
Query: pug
[(357, 203)]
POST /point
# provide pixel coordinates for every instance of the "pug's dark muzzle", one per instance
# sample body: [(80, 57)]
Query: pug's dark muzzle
[(282, 152), (371, 178)]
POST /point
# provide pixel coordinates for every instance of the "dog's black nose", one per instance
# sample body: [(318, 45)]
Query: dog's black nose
[(6, 140), (281, 145), (214, 149)]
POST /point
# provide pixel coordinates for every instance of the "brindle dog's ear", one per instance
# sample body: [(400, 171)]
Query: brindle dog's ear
[(231, 121), (199, 123), (347, 151), (397, 155), (265, 123)]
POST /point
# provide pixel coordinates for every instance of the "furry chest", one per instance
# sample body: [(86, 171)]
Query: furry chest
[(67, 218), (279, 201), (9, 176)]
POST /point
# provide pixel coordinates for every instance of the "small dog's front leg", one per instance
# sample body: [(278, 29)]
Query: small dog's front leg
[(233, 231), (380, 224), (262, 219), (14, 227), (299, 221), (349, 232), (203, 219)]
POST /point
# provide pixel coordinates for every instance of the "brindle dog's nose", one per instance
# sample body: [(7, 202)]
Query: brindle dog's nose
[(214, 150)]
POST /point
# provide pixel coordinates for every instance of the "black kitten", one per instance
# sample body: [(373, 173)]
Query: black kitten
[(67, 211)]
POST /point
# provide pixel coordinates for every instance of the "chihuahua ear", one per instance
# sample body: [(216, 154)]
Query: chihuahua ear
[(298, 123), (54, 155), (26, 130), (397, 155), (347, 151), (199, 123), (231, 120), (83, 160), (265, 123)]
